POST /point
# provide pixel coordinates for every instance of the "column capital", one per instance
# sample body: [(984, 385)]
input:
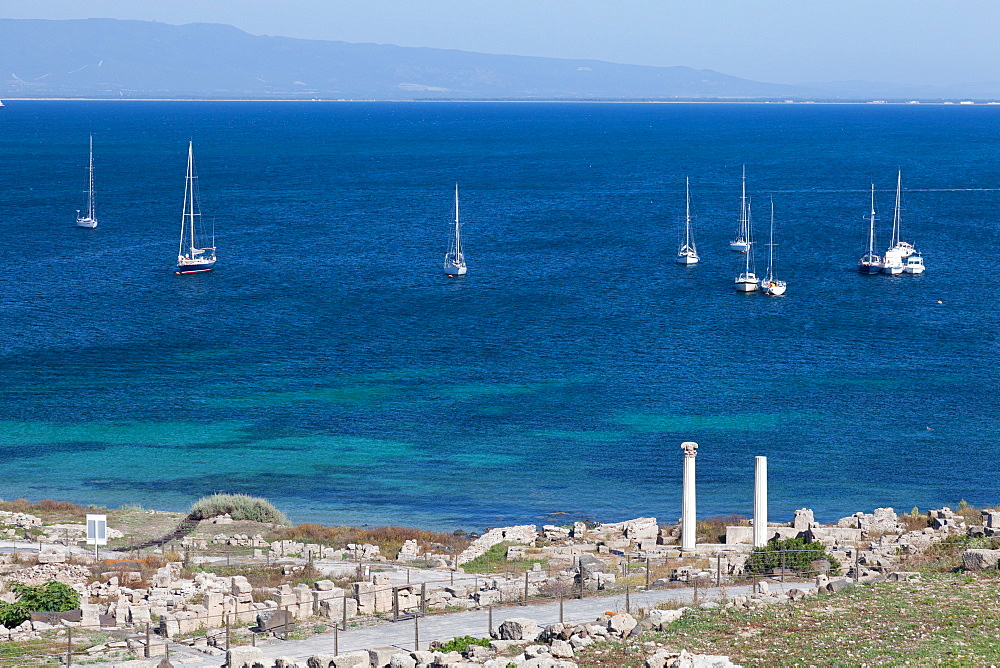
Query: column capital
[(690, 448)]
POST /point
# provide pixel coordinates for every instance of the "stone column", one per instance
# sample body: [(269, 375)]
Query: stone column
[(688, 510), (760, 502)]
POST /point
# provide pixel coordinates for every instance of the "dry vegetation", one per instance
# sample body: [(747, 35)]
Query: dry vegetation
[(389, 539)]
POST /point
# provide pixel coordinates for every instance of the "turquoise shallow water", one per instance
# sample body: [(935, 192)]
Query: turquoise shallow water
[(328, 365)]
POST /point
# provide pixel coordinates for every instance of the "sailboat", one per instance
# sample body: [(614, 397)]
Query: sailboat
[(870, 263), (454, 259), (747, 281), (741, 243), (191, 259), (89, 220), (769, 285), (687, 254), (892, 261)]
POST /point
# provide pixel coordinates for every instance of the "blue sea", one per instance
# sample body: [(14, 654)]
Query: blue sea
[(329, 365)]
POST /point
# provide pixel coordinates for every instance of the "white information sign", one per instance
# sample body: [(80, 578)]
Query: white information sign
[(97, 529)]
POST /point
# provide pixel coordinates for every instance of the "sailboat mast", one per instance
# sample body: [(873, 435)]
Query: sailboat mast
[(190, 179), (871, 225), (743, 208), (896, 213), (687, 212), (90, 189), (458, 235), (749, 252), (770, 246)]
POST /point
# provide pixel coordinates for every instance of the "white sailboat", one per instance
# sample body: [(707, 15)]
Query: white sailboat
[(454, 259), (769, 285), (741, 243), (89, 220), (870, 263), (687, 254), (191, 259), (747, 281), (893, 262)]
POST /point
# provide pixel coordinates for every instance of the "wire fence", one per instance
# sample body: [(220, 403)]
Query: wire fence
[(634, 577)]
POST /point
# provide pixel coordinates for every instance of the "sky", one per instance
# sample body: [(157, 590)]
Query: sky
[(934, 42)]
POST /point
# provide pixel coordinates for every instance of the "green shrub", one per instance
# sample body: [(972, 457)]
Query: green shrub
[(239, 507), (51, 596), (461, 643), (798, 555)]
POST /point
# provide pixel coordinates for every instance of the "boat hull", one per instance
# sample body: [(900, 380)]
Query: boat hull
[(198, 268), (917, 269), (455, 270), (88, 223), (687, 260), (893, 270), (773, 288), (870, 269), (739, 246), (749, 285)]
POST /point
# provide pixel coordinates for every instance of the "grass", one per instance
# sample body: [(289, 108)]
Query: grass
[(949, 618), (239, 507), (495, 560)]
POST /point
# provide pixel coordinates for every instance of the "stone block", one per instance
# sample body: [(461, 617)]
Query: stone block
[(52, 558), (288, 662), (561, 649), (245, 657), (660, 618), (978, 560), (333, 608), (622, 623), (351, 660), (90, 615), (839, 584), (380, 657), (518, 628), (402, 660), (364, 593), (274, 621)]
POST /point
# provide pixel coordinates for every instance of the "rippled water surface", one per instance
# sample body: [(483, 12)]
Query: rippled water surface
[(329, 365)]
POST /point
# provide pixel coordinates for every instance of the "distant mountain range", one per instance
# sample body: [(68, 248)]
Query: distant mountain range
[(108, 58)]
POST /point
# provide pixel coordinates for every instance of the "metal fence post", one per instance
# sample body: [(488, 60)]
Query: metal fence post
[(489, 619), (628, 603), (69, 646), (336, 640), (344, 617), (525, 588), (647, 572), (147, 652), (416, 633), (395, 604), (423, 598), (226, 622), (560, 609), (782, 566)]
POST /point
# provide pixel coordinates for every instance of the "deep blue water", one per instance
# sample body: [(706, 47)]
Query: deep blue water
[(329, 365)]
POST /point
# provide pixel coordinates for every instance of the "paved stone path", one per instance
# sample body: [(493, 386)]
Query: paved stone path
[(401, 634)]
